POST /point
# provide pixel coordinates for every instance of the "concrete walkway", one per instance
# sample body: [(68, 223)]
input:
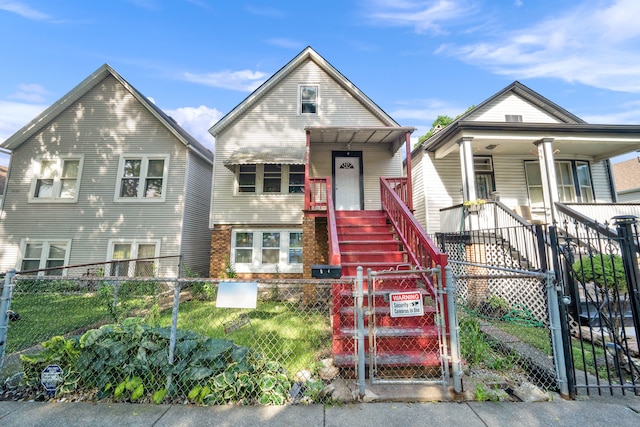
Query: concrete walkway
[(619, 411)]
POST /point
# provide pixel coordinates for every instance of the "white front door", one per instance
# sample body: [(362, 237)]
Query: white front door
[(347, 183)]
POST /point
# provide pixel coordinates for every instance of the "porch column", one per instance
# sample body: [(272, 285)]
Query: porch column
[(468, 178), (466, 167), (407, 138), (548, 175), (307, 156)]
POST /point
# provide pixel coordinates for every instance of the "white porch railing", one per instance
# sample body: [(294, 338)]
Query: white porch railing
[(603, 212), (494, 218)]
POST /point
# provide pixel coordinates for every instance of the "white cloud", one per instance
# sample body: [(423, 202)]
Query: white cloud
[(595, 44), (23, 10), (197, 121), (423, 15), (31, 93), (14, 115), (243, 80), (628, 114)]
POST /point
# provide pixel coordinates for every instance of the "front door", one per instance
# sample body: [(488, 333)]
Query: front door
[(347, 180)]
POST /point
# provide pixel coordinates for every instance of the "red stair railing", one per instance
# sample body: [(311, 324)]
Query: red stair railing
[(319, 197), (422, 252)]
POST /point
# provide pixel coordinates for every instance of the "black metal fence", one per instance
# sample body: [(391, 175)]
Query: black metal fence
[(597, 282), (598, 268)]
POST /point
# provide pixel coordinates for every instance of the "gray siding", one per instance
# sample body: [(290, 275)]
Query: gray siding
[(104, 123), (196, 237), (273, 121), (601, 185)]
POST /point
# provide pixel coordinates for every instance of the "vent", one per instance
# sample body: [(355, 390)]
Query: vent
[(513, 118)]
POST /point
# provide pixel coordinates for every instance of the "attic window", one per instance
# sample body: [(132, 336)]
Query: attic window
[(513, 118), (308, 99)]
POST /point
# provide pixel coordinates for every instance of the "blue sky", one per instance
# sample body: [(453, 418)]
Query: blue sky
[(197, 59)]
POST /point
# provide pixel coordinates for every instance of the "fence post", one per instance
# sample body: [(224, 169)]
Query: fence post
[(174, 329), (5, 304), (556, 333), (360, 332), (454, 328), (563, 347), (628, 249)]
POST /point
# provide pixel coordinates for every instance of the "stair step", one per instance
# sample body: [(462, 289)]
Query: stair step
[(426, 331), (401, 358), (353, 235)]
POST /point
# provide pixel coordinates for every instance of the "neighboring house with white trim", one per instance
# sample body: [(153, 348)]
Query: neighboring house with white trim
[(627, 178), (305, 121), (104, 174), (3, 181), (520, 148)]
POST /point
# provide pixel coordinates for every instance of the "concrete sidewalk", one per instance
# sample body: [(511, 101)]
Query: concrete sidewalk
[(616, 411)]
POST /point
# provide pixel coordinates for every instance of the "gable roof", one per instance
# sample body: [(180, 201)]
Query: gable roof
[(569, 123), (532, 96), (627, 174), (307, 54), (44, 118)]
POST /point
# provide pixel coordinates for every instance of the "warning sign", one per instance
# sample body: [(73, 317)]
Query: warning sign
[(405, 304)]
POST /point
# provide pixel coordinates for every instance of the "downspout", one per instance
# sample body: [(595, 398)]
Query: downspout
[(612, 183), (407, 138)]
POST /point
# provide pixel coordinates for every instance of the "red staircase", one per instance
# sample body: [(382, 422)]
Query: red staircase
[(367, 239)]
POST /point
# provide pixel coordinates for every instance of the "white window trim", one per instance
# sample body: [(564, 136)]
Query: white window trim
[(35, 173), (284, 182), (46, 243), (143, 176), (256, 266), (134, 243), (299, 102)]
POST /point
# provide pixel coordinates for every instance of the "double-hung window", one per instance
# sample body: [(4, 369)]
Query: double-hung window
[(308, 99), (270, 179), (267, 251), (142, 177), (133, 258), (573, 182), (56, 179), (45, 255)]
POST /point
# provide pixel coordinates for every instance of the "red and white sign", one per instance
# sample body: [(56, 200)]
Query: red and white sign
[(406, 304)]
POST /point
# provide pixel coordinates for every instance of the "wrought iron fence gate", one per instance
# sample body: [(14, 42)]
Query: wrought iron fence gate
[(598, 270)]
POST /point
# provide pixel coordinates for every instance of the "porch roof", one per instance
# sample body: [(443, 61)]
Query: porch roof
[(264, 155), (593, 140), (394, 136)]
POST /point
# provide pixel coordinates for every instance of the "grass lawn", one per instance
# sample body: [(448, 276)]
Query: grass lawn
[(43, 316), (294, 337), (584, 356)]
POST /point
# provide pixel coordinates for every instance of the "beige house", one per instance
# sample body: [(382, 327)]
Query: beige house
[(103, 174), (627, 178), (305, 126), (525, 152)]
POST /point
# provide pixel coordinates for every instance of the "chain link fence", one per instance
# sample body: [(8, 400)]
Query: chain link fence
[(165, 340), (503, 315)]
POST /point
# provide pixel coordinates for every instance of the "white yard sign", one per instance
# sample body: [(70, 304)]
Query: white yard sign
[(405, 304)]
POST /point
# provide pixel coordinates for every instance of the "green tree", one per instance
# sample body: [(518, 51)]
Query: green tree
[(442, 121)]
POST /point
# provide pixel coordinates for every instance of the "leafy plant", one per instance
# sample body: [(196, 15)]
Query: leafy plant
[(229, 270), (129, 361), (606, 271)]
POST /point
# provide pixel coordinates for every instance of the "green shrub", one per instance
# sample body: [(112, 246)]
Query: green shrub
[(606, 271)]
